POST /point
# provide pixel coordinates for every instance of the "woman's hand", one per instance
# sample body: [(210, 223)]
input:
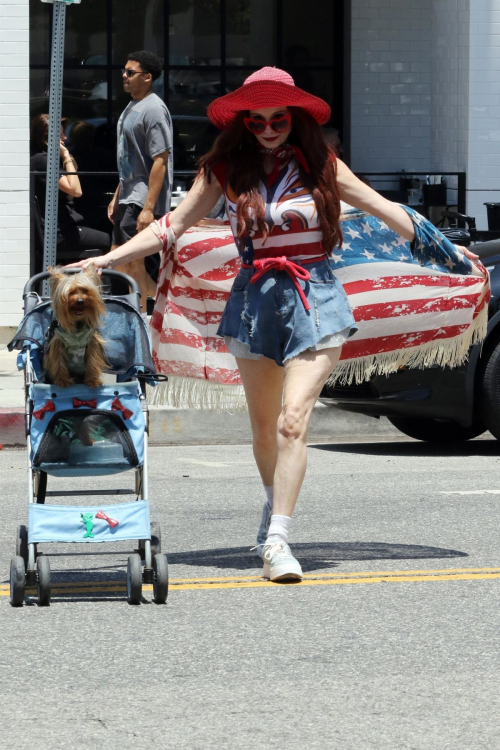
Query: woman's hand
[(465, 251), (143, 244), (102, 261), (63, 151)]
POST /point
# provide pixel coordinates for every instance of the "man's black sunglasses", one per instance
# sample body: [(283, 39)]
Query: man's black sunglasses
[(129, 73)]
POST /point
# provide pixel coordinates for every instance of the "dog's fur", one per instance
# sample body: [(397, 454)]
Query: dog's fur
[(76, 303)]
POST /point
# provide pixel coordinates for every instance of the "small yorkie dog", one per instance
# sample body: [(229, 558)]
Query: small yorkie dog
[(74, 351)]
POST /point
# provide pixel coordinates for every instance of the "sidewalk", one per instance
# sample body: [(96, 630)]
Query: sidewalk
[(170, 426), (11, 400)]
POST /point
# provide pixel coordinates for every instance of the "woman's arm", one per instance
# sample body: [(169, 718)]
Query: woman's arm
[(199, 201), (358, 194), (69, 183), (196, 205)]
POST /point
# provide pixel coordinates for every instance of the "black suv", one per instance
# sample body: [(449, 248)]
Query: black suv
[(439, 404)]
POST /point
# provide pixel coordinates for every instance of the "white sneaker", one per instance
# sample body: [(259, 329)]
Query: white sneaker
[(279, 563)]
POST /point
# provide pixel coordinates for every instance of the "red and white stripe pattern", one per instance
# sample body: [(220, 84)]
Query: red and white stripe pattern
[(396, 310), (195, 279), (407, 313)]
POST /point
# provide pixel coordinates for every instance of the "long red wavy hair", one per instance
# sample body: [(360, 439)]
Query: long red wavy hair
[(239, 149)]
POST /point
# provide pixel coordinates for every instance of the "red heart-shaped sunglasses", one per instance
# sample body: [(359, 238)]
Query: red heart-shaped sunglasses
[(278, 124)]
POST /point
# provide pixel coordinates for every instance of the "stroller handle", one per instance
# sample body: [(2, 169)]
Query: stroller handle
[(118, 275)]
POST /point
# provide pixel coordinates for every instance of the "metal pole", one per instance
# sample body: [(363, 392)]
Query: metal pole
[(54, 137), (462, 193)]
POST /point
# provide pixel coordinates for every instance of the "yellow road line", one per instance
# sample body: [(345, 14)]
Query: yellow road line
[(313, 576), (322, 579)]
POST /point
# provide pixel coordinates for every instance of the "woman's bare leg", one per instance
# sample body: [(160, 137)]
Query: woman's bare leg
[(263, 384), (304, 378)]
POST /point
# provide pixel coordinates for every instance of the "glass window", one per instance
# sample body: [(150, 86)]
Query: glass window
[(39, 34), (307, 43), (191, 91), (85, 94), (194, 32), (257, 33), (39, 92), (137, 26), (193, 137), (86, 34), (236, 78), (250, 32)]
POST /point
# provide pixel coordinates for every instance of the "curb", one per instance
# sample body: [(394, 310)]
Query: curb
[(170, 426), (12, 427)]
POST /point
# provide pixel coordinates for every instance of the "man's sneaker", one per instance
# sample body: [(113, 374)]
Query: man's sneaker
[(263, 528), (279, 563)]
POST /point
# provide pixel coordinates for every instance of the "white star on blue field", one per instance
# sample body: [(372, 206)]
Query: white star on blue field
[(368, 239)]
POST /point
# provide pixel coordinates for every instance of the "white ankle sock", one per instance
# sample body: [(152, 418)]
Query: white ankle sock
[(279, 528), (269, 494)]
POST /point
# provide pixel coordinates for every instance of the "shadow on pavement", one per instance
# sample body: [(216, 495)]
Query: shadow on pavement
[(315, 556), (414, 448)]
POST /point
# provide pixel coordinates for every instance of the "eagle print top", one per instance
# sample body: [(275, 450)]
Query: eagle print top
[(291, 216)]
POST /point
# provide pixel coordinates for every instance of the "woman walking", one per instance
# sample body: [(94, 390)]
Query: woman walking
[(287, 316)]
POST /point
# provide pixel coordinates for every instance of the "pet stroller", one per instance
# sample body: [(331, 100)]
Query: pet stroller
[(81, 432)]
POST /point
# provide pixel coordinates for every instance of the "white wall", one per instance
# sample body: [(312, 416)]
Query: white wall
[(450, 84), (484, 121), (450, 88), (426, 91), (14, 158), (391, 84)]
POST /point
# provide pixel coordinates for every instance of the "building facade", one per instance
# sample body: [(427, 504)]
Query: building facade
[(414, 85)]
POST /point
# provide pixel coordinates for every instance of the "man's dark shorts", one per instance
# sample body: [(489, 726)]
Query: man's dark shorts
[(125, 227)]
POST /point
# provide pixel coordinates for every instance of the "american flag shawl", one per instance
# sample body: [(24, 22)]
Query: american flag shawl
[(414, 306)]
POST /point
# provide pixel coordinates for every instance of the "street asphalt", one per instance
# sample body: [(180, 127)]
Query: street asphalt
[(391, 642)]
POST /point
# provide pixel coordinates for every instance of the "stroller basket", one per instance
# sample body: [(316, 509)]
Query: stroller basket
[(80, 431)]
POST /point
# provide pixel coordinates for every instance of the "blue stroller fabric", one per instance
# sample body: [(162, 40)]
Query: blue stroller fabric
[(80, 431), (84, 523)]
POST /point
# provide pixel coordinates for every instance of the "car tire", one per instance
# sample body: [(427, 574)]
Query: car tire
[(437, 430), (489, 400)]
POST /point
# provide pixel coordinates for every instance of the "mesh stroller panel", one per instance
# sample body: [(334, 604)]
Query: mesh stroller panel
[(80, 431), (127, 346)]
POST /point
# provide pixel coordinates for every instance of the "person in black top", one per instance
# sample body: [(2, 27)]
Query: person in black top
[(72, 236)]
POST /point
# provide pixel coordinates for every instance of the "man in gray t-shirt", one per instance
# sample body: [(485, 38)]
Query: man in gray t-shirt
[(145, 162)]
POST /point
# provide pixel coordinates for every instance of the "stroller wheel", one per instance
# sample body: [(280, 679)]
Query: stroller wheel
[(43, 581), (22, 543), (17, 581), (160, 578), (155, 541), (134, 579)]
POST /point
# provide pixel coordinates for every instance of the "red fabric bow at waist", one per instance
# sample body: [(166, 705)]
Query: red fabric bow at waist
[(282, 263), (92, 403)]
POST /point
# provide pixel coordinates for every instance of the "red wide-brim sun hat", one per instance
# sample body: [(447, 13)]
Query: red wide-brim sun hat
[(266, 88)]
